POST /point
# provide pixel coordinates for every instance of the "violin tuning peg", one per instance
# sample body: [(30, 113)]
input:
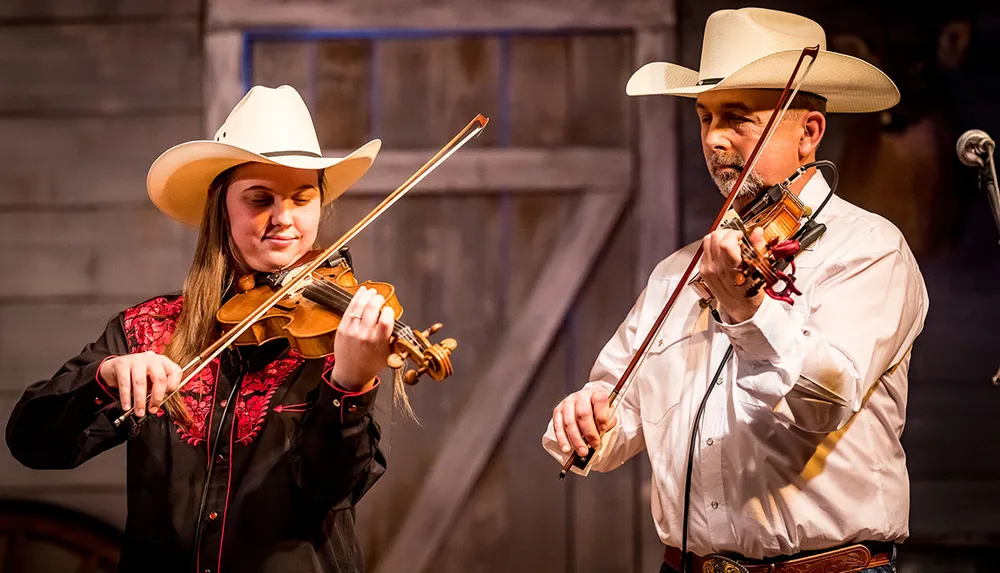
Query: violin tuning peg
[(411, 377), (449, 344), (395, 361), (434, 328)]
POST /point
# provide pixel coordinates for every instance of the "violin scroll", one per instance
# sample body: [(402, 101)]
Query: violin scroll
[(431, 359)]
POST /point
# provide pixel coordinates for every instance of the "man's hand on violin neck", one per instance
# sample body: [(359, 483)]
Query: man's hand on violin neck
[(361, 345), (580, 419), (720, 263)]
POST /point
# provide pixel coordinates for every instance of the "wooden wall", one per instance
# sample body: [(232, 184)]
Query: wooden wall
[(91, 92)]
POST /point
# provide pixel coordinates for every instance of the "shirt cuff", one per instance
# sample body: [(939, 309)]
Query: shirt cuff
[(109, 392), (766, 336), (352, 406)]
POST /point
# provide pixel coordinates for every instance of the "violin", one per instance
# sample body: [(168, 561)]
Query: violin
[(789, 227), (308, 316)]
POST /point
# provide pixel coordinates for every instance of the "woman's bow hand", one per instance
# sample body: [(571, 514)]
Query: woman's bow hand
[(137, 376)]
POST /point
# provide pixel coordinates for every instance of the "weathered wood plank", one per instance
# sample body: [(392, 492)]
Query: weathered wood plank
[(600, 112), (222, 79), (429, 89), (536, 520), (657, 179), (457, 14), (539, 91), (438, 249), (438, 253), (536, 223), (284, 63), (343, 93), (117, 9), (36, 339), (104, 471), (605, 504), (85, 161), (93, 69), (516, 510), (473, 438), (500, 170), (658, 215), (111, 253)]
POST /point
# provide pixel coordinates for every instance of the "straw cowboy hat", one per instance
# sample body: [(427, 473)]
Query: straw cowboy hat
[(269, 125), (754, 48)]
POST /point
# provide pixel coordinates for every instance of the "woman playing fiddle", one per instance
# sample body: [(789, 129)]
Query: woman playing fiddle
[(256, 463)]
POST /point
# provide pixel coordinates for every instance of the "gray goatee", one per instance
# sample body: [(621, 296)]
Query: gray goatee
[(726, 178)]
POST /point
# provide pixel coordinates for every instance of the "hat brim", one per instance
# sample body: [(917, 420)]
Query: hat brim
[(849, 84), (179, 179)]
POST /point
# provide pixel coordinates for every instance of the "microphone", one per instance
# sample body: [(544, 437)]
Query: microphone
[(972, 146), (975, 149)]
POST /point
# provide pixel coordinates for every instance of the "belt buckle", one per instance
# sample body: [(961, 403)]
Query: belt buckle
[(721, 564)]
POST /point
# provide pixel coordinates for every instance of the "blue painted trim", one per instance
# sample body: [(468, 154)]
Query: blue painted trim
[(504, 81), (304, 34), (374, 93), (247, 72)]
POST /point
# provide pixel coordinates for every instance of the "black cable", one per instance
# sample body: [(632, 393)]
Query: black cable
[(808, 225), (694, 439), (833, 184)]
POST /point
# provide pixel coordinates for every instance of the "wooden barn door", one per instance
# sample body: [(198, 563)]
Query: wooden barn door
[(530, 245)]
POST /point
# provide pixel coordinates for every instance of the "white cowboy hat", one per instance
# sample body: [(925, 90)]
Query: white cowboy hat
[(754, 48), (269, 125)]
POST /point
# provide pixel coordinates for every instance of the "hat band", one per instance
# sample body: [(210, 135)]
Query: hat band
[(287, 153), (709, 82)]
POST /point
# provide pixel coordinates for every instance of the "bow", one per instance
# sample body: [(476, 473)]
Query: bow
[(784, 101), (204, 357)]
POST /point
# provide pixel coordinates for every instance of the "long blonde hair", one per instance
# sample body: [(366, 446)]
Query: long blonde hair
[(211, 274), (213, 270)]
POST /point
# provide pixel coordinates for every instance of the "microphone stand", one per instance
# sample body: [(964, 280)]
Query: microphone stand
[(988, 183)]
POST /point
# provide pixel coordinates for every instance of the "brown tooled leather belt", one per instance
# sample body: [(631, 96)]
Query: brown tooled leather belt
[(847, 559)]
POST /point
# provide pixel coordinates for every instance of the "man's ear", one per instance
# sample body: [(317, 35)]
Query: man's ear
[(813, 127)]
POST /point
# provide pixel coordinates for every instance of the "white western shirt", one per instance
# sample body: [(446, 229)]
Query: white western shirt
[(799, 447)]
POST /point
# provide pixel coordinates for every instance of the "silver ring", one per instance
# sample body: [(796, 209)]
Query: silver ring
[(355, 315)]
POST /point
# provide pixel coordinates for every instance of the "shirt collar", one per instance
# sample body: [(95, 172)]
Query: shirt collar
[(814, 191)]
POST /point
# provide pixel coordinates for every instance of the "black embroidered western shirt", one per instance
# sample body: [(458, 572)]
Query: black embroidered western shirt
[(265, 477)]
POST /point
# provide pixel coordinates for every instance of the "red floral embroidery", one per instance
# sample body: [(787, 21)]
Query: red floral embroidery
[(150, 325), (255, 396)]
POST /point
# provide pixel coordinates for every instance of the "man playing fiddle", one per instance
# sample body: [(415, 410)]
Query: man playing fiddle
[(797, 465)]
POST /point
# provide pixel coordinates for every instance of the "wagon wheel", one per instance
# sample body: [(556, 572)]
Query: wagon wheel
[(36, 536)]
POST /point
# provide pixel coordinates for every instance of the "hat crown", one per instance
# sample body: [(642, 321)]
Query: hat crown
[(271, 121), (735, 38)]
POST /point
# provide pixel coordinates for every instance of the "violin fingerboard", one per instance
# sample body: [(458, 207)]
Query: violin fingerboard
[(731, 220)]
